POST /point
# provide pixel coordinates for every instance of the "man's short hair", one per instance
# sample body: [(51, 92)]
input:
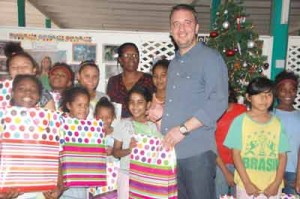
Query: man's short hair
[(184, 7)]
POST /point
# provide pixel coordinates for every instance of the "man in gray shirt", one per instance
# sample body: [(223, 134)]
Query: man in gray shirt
[(197, 93)]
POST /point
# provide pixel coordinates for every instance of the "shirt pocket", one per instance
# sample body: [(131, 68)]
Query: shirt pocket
[(191, 83)]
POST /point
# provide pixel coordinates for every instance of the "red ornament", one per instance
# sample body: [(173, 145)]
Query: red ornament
[(266, 66), (213, 34), (238, 21), (230, 53)]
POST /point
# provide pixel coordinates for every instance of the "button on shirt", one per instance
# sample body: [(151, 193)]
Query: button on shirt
[(197, 87)]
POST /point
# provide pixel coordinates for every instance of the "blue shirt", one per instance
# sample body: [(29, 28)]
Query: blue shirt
[(197, 87), (291, 124)]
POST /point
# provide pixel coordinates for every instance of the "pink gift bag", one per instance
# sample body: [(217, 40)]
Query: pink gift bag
[(29, 149), (83, 155), (152, 171)]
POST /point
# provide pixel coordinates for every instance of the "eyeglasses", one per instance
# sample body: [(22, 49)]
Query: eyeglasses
[(130, 55)]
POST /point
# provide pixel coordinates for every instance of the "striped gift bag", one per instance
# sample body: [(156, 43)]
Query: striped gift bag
[(152, 171), (112, 167), (5, 91), (83, 155), (29, 149)]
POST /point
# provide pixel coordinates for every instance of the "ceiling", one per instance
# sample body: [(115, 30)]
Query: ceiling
[(148, 15)]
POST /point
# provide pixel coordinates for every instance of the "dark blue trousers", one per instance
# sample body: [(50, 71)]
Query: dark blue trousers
[(195, 176)]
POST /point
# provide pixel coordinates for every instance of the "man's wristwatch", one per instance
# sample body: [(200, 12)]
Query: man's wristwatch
[(183, 130)]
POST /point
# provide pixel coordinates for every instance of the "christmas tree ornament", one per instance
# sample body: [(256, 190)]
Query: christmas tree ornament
[(252, 70), (238, 22), (237, 65), (230, 53), (266, 66), (245, 64), (225, 12), (225, 24), (243, 19), (213, 34), (239, 48), (250, 44), (217, 13), (244, 82)]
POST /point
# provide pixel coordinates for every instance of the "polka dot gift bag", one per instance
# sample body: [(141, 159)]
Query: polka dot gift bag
[(152, 170), (29, 149), (83, 155), (5, 91), (110, 190)]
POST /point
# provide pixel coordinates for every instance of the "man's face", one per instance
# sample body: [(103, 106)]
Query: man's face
[(184, 29)]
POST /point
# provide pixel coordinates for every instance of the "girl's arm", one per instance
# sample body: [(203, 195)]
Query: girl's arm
[(118, 152), (250, 188), (273, 188), (227, 174)]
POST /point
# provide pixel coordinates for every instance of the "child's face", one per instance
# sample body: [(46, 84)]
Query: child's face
[(138, 106), (160, 78), (89, 78), (286, 93), (21, 65), (79, 108), (59, 80), (106, 115), (261, 102), (26, 94)]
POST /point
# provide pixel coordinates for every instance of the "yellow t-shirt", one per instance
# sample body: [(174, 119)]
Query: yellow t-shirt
[(260, 145)]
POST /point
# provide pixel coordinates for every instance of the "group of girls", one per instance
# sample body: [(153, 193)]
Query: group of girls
[(84, 102), (261, 144)]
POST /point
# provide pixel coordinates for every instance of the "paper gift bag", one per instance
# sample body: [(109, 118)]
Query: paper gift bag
[(152, 171), (29, 149), (5, 92), (56, 98), (83, 153), (289, 196), (112, 167)]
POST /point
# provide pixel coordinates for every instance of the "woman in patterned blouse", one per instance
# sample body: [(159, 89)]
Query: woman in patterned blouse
[(118, 86)]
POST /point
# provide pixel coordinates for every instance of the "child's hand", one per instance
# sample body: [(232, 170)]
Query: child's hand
[(109, 150), (229, 178), (297, 185), (271, 190), (133, 143), (10, 194), (53, 194), (154, 114), (251, 189)]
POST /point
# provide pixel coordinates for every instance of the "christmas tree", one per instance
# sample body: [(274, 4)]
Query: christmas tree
[(234, 36)]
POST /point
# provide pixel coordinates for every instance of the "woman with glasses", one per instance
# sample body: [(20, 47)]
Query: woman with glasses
[(118, 86)]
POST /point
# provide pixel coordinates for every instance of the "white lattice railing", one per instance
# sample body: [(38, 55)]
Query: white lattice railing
[(293, 62), (151, 51)]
